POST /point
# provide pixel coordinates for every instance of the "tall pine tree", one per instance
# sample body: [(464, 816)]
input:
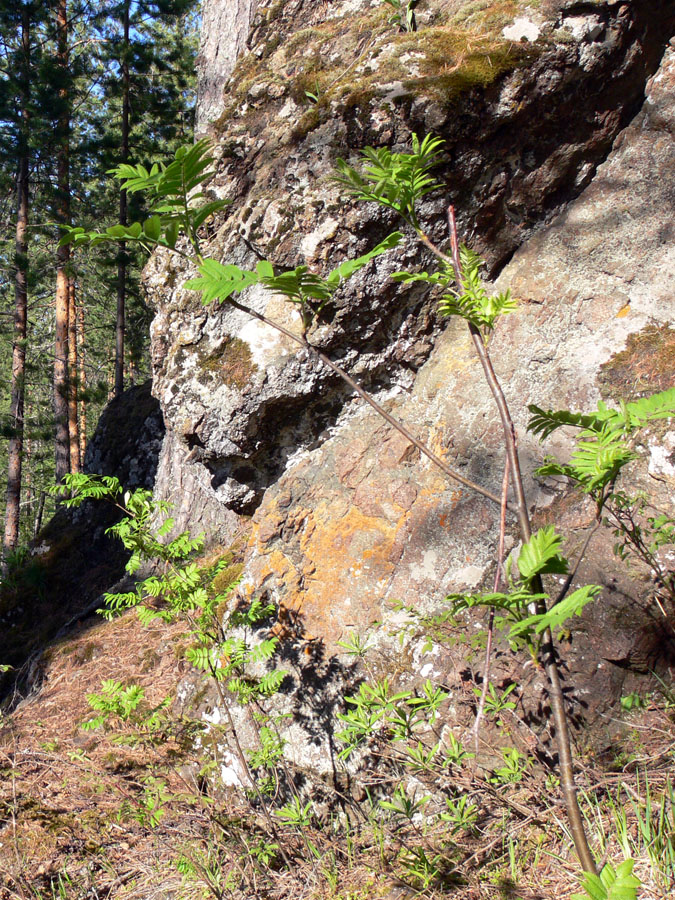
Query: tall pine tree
[(21, 67), (98, 79), (62, 209), (147, 56)]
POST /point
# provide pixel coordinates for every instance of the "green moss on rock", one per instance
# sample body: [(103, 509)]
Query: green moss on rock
[(227, 577), (232, 363), (643, 367), (352, 58)]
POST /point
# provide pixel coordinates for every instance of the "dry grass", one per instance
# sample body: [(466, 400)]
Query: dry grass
[(60, 793), (64, 833)]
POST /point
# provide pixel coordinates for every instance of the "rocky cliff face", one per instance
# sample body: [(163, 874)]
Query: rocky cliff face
[(347, 519)]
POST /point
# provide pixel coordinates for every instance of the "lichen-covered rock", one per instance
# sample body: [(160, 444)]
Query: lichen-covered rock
[(128, 439), (361, 524), (525, 124)]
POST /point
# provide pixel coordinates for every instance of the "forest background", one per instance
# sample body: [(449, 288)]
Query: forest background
[(83, 84)]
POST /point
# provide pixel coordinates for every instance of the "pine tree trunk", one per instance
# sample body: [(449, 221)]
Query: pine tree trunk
[(122, 264), (61, 438), (73, 429), (37, 523), (28, 491), (15, 450), (81, 382)]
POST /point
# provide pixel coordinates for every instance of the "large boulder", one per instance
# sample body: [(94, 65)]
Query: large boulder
[(350, 525), (526, 120)]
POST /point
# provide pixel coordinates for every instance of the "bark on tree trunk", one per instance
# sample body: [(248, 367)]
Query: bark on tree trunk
[(81, 382), (73, 428), (37, 524), (15, 450), (122, 263), (61, 437)]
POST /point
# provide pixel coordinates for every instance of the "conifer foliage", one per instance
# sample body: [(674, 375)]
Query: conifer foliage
[(82, 84)]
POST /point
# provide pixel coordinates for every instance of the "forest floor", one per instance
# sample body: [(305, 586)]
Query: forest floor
[(86, 815)]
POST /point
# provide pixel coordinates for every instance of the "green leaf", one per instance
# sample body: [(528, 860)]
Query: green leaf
[(301, 286), (473, 303), (444, 277), (594, 887), (648, 409), (172, 195), (545, 422), (350, 266), (396, 180), (152, 227), (265, 269), (171, 234), (510, 603), (631, 416), (204, 212), (540, 555), (72, 235), (558, 614), (598, 460), (219, 281), (625, 884), (619, 884)]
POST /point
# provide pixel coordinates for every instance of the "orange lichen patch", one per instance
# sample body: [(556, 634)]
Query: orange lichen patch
[(276, 567), (338, 578), (333, 558)]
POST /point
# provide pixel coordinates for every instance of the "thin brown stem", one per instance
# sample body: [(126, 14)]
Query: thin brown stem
[(548, 652), (491, 620), (497, 393), (575, 568)]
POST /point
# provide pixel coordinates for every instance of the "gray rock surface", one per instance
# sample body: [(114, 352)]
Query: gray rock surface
[(361, 525), (128, 439)]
